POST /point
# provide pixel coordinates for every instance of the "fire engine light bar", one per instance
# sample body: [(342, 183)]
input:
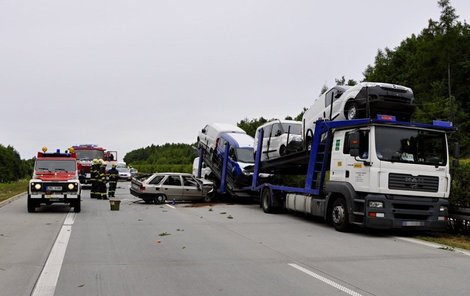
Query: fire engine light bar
[(442, 123), (386, 117)]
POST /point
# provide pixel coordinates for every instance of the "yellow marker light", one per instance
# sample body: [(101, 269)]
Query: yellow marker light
[(71, 150), (44, 149)]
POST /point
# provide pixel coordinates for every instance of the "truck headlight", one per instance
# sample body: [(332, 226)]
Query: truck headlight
[(376, 204), (71, 186), (37, 186)]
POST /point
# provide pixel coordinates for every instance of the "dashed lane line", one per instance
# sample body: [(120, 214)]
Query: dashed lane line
[(325, 280), (47, 282)]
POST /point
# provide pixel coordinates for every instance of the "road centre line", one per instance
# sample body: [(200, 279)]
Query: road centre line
[(47, 282), (325, 280)]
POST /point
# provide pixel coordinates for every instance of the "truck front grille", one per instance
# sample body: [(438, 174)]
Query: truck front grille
[(413, 183)]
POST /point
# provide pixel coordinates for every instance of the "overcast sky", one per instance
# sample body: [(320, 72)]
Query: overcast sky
[(127, 74)]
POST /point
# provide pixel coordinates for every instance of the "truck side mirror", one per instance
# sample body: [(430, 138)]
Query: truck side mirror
[(354, 144)]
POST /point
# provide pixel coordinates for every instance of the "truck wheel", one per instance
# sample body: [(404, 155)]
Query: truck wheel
[(31, 205), (351, 111), (266, 200), (159, 199), (339, 215), (77, 206)]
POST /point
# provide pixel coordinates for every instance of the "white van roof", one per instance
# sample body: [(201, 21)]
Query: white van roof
[(225, 127), (243, 140)]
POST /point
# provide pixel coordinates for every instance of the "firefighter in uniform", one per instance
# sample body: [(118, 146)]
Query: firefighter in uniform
[(102, 181), (113, 176), (94, 171)]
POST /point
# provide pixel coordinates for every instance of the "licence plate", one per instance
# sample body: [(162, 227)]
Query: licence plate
[(52, 197), (54, 188), (413, 223)]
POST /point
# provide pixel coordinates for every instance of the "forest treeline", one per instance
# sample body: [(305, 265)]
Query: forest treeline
[(12, 167)]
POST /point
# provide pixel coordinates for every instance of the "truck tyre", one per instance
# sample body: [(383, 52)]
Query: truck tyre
[(351, 111), (77, 205), (31, 205), (159, 199), (266, 201), (339, 215)]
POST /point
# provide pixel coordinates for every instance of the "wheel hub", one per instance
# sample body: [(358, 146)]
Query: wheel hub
[(338, 214)]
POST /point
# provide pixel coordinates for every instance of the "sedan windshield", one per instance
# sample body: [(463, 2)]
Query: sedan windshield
[(411, 146)]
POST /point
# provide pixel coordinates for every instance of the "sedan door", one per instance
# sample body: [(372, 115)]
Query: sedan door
[(191, 188), (172, 187)]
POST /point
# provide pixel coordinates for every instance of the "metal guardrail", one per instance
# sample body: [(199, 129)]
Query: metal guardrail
[(459, 220)]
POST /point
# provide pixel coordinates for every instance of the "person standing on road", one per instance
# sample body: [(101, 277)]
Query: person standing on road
[(94, 172), (102, 181), (113, 176)]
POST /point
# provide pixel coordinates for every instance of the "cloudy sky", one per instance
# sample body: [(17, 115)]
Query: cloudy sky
[(127, 74)]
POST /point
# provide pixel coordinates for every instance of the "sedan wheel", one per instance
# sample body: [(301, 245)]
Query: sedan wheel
[(159, 199)]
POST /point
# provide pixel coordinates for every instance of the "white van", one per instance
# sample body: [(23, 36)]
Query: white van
[(280, 138), (343, 102), (209, 136), (205, 171)]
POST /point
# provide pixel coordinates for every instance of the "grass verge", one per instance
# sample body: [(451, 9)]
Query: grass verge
[(8, 190), (454, 241)]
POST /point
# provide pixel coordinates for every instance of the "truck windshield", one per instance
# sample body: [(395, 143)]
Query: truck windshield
[(56, 165), (89, 154), (245, 155), (410, 146)]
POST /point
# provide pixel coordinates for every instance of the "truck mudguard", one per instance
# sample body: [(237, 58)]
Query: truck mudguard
[(346, 190)]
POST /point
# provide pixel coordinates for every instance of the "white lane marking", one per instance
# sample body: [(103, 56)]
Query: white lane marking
[(432, 245), (170, 206), (47, 281), (325, 280)]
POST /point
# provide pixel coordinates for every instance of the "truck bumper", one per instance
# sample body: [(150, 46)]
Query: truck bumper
[(405, 212)]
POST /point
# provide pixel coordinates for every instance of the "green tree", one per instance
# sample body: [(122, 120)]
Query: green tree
[(425, 63)]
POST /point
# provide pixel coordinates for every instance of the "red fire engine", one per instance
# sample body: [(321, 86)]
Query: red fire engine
[(85, 155), (55, 180)]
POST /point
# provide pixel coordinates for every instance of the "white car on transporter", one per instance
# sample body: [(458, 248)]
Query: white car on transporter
[(363, 100)]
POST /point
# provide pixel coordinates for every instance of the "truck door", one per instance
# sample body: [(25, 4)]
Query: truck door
[(344, 167)]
